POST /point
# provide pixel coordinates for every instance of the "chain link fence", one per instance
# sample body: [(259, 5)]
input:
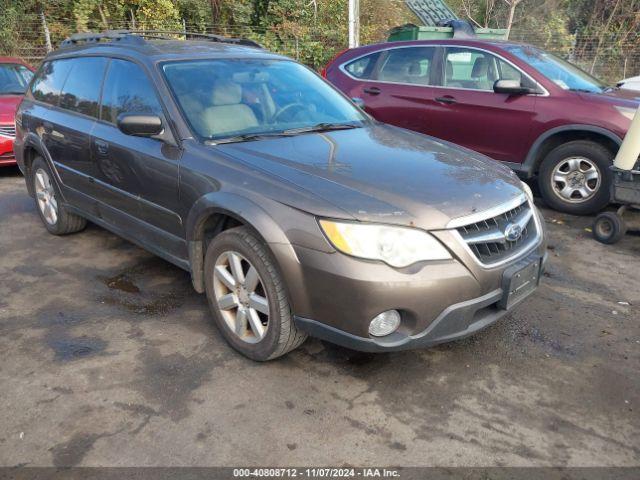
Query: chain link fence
[(608, 60)]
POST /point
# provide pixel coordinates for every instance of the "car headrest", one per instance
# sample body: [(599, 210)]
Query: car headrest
[(480, 67), (414, 68), (226, 93)]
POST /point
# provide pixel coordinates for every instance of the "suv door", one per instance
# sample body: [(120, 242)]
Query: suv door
[(136, 177), (469, 113), (399, 87), (71, 88)]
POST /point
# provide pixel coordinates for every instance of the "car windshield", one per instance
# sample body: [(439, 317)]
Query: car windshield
[(240, 99), (14, 78), (560, 72)]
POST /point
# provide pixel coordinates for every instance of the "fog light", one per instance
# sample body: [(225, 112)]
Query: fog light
[(385, 323)]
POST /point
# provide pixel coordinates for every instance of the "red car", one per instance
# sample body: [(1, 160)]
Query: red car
[(515, 103), (15, 75)]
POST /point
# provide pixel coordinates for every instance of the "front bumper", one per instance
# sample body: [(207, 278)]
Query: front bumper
[(455, 322)]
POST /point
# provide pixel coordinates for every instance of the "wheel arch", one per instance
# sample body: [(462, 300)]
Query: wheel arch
[(217, 212), (567, 133), (34, 147)]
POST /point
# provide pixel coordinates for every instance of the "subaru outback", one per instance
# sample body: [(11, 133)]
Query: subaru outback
[(294, 211)]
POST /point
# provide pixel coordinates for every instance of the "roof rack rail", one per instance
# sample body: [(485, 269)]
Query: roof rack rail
[(139, 36)]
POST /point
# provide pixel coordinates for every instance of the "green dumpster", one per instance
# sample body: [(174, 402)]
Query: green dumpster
[(413, 32)]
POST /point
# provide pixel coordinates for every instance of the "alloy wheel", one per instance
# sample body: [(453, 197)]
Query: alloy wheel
[(45, 195), (241, 296), (576, 179)]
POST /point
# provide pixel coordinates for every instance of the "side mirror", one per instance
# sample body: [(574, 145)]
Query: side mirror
[(358, 102), (140, 125), (510, 87)]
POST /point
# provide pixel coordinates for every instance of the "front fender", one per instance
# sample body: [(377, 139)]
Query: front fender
[(235, 206)]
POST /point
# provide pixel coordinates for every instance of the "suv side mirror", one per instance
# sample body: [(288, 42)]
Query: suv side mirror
[(511, 87), (140, 125)]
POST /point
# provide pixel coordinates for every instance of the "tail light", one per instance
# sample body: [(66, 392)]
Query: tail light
[(323, 72)]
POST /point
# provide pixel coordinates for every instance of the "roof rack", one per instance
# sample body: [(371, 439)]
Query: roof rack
[(138, 37)]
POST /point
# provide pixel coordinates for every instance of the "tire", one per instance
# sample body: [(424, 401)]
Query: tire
[(609, 228), (561, 162), (280, 334), (47, 197)]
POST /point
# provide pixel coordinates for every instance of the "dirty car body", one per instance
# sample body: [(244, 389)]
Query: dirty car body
[(350, 210)]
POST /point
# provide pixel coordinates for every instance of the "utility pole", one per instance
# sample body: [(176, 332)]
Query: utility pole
[(354, 23)]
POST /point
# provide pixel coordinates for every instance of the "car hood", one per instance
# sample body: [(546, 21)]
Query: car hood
[(381, 173), (8, 106)]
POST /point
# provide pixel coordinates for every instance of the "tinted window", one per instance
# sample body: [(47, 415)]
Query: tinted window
[(81, 91), (362, 67), (14, 78), (49, 81), (127, 89), (468, 68), (407, 65)]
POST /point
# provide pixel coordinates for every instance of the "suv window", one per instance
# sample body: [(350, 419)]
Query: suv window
[(407, 65), (127, 89), (49, 81), (81, 91), (363, 66)]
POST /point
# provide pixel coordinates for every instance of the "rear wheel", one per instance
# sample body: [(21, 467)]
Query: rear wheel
[(247, 296), (53, 214), (575, 177), (609, 228)]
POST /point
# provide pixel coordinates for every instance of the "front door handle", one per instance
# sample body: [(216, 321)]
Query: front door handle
[(102, 147), (446, 100), (372, 90)]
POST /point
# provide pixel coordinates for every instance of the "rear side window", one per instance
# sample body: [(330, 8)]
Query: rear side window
[(363, 66), (127, 89), (81, 92), (407, 65), (49, 81)]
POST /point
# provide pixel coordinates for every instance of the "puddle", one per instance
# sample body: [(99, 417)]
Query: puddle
[(69, 348), (123, 283)]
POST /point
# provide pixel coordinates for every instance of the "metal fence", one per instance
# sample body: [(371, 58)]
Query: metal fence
[(605, 58)]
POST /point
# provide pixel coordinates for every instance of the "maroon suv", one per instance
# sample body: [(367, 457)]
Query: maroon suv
[(515, 103)]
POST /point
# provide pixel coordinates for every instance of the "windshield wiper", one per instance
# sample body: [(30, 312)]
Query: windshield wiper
[(583, 90), (321, 127), (245, 137)]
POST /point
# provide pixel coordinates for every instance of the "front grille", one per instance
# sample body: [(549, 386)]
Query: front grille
[(8, 130), (487, 238)]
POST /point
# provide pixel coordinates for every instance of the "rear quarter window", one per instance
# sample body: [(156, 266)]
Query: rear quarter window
[(363, 66), (49, 81)]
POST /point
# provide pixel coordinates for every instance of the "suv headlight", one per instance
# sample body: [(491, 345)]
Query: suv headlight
[(397, 246), (527, 191)]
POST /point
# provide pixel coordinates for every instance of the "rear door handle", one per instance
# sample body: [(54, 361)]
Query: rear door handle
[(102, 147), (446, 100), (372, 90)]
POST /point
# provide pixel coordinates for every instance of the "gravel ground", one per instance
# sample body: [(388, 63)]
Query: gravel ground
[(109, 358)]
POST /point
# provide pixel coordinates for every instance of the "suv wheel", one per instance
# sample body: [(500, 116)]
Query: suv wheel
[(53, 214), (575, 177), (247, 296)]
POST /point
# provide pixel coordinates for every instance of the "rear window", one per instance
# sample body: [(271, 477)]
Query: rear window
[(81, 91), (363, 66), (14, 78), (50, 80)]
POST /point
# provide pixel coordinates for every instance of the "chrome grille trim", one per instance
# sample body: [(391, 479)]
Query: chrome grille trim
[(8, 131), (484, 239)]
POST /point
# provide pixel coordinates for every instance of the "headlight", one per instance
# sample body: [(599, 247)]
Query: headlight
[(527, 191), (627, 111), (397, 246)]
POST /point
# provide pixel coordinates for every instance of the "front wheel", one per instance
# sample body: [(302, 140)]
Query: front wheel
[(247, 296), (53, 213), (575, 177)]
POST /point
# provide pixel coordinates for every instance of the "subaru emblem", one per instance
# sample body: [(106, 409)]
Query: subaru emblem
[(512, 232)]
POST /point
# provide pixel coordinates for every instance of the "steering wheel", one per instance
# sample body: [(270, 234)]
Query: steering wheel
[(288, 107)]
